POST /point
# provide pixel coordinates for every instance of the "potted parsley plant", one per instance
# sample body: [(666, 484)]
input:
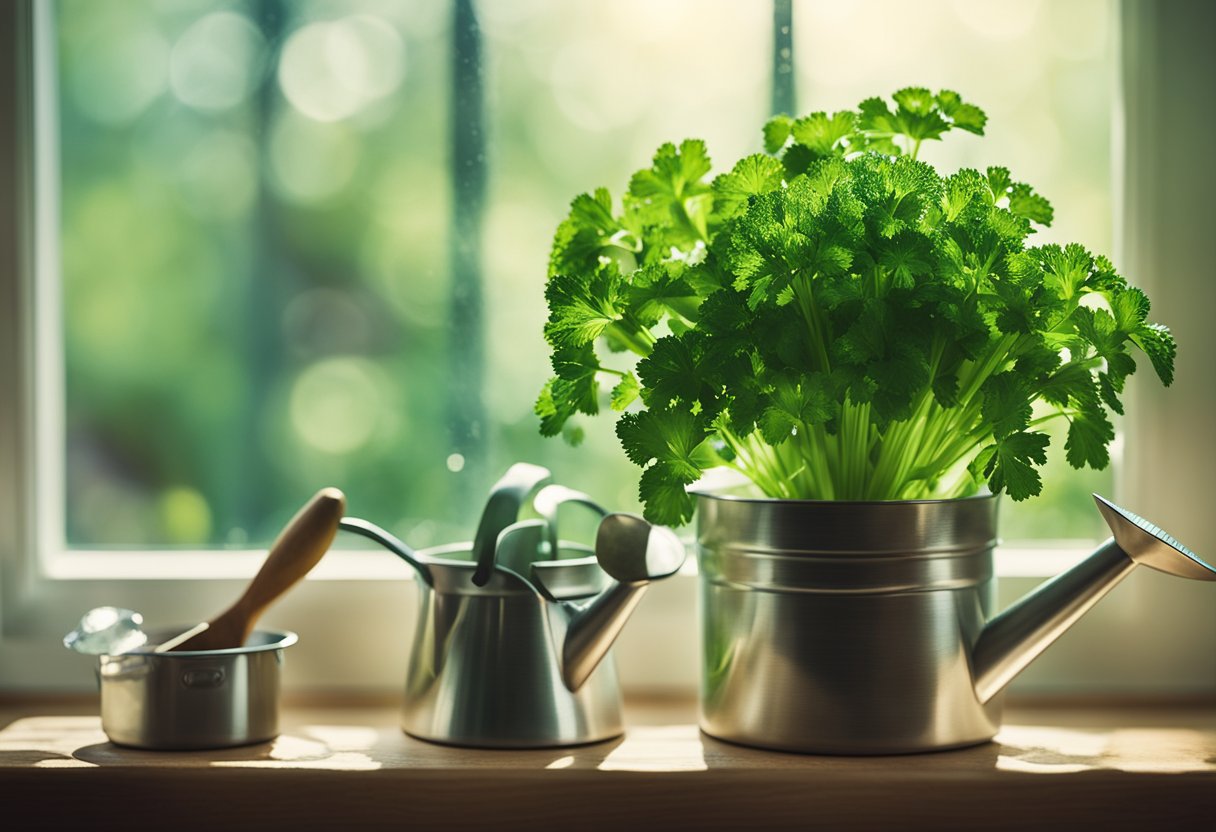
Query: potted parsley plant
[(855, 333)]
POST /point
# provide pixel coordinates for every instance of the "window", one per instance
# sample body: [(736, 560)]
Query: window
[(342, 242), (302, 244)]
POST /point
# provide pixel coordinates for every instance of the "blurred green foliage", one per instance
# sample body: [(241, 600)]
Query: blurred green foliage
[(255, 208)]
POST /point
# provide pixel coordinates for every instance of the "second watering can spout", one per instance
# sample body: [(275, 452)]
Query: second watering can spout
[(633, 553), (1018, 635)]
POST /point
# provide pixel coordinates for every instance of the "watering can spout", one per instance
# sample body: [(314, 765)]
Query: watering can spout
[(1018, 635), (633, 553)]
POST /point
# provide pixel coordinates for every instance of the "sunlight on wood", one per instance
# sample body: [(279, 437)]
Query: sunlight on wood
[(561, 762), (344, 737), (1043, 750), (658, 748), (64, 764), (49, 740), (340, 761)]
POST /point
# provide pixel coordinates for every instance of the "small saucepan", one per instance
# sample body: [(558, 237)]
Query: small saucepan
[(215, 684), (194, 699)]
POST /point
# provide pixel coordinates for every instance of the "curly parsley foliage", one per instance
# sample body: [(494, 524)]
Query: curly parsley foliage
[(837, 320)]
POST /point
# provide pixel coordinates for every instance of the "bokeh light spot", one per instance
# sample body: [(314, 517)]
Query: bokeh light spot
[(217, 62), (185, 516), (336, 404), (331, 70)]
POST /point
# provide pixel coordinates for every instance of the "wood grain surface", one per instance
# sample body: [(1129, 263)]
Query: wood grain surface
[(352, 768)]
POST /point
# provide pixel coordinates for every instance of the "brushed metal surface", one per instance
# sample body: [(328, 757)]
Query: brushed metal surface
[(867, 628), (1020, 633), (194, 699), (526, 662), (484, 671), (845, 627)]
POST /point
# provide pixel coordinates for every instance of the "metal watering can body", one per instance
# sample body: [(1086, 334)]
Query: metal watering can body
[(520, 656), (485, 667), (870, 628)]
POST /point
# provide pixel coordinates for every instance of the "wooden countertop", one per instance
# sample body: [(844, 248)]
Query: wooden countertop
[(352, 768)]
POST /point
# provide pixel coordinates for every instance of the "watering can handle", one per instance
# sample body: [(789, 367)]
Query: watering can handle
[(501, 510), (547, 503), (373, 532)]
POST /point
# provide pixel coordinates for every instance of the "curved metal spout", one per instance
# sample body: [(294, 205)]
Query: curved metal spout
[(593, 627), (373, 532), (1018, 635), (634, 553)]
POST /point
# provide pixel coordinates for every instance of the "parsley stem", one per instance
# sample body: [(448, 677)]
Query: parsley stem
[(636, 337), (816, 328)]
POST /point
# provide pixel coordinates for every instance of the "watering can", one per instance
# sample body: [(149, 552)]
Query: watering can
[(514, 628), (870, 627)]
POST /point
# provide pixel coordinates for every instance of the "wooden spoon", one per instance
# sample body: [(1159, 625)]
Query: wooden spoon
[(296, 550)]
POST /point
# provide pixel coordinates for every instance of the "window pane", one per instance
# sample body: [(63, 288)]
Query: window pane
[(264, 239), (256, 219)]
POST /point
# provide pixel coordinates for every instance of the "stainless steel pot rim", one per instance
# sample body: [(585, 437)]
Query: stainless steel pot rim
[(725, 495), (272, 640), (436, 556), (894, 553)]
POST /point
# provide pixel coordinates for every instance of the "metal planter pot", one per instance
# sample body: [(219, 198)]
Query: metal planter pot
[(845, 627)]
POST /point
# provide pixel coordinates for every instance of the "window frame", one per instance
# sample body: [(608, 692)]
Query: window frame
[(365, 600)]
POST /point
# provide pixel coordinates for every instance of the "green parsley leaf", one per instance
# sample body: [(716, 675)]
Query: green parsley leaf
[(838, 291), (962, 115), (626, 392), (752, 176), (797, 404), (675, 438), (1006, 404), (822, 134), (661, 290), (671, 194), (1158, 344), (580, 309), (1009, 467), (665, 496), (1024, 202), (1089, 434), (777, 133)]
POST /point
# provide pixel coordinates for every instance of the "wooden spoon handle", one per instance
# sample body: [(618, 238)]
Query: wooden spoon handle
[(295, 551)]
